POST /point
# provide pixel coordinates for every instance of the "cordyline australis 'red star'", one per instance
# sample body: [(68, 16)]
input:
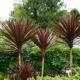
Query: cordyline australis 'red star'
[(68, 29), (43, 39), (18, 32)]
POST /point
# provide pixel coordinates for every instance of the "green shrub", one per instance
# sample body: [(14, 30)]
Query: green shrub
[(76, 70), (2, 77), (53, 78), (76, 77), (56, 59)]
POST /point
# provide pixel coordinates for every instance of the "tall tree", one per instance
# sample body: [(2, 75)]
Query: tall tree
[(68, 29), (40, 11), (74, 11), (43, 39), (18, 32)]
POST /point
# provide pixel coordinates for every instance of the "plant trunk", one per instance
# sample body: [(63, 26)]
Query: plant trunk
[(71, 61), (19, 54), (42, 66)]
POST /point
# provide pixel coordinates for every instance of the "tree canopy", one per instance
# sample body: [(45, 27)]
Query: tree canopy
[(42, 12), (74, 11)]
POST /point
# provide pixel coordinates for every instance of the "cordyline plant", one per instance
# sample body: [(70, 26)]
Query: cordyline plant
[(26, 71), (43, 39), (18, 32), (68, 29)]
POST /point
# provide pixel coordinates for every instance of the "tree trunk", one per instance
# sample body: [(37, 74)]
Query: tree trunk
[(71, 61), (19, 54), (42, 66)]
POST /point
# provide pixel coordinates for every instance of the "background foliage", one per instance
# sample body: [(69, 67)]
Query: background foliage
[(42, 12), (56, 59)]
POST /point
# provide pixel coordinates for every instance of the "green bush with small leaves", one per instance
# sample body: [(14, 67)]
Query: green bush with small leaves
[(76, 77), (56, 59)]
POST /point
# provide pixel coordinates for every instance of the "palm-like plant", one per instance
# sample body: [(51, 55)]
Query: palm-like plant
[(18, 32), (68, 29), (43, 39)]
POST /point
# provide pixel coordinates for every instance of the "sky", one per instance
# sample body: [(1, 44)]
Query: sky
[(72, 4), (7, 5)]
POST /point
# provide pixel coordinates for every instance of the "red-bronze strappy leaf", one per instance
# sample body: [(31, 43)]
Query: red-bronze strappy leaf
[(18, 32)]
